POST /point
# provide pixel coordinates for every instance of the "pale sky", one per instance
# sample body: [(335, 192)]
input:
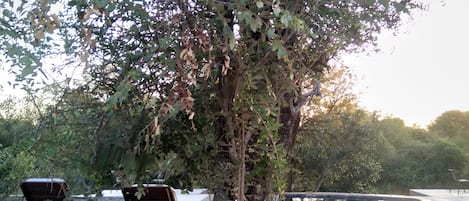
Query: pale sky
[(420, 73), (423, 71)]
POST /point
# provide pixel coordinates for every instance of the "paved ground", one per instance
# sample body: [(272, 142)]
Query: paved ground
[(200, 195), (442, 194)]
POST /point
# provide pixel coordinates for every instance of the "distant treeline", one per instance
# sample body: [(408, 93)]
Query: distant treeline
[(339, 157)]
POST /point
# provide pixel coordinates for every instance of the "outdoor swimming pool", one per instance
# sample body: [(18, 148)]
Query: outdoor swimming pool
[(322, 196)]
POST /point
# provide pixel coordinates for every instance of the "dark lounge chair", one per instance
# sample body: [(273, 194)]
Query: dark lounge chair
[(153, 192), (41, 189)]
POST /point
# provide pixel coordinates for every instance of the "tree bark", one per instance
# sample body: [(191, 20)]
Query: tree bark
[(290, 120), (231, 153)]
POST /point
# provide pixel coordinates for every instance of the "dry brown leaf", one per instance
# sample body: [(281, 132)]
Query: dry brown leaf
[(226, 65)]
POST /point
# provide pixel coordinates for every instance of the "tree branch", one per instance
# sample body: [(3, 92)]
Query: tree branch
[(307, 97)]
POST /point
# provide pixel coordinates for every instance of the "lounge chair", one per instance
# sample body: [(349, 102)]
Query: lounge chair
[(40, 189), (153, 192)]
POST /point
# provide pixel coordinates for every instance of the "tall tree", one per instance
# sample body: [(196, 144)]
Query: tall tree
[(257, 61), (452, 125), (328, 156)]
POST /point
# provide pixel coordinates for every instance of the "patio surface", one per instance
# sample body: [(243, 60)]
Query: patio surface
[(442, 194)]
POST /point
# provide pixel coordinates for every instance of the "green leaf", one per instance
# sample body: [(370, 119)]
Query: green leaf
[(281, 52), (314, 35), (27, 71), (7, 30), (111, 7), (276, 44), (276, 11), (171, 65), (286, 19), (298, 24), (33, 57), (271, 33), (101, 3), (400, 7), (229, 34), (164, 42), (7, 13), (12, 51), (365, 3), (260, 4), (141, 12), (256, 24), (232, 43), (245, 16)]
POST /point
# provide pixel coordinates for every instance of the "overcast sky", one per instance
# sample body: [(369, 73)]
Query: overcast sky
[(423, 71)]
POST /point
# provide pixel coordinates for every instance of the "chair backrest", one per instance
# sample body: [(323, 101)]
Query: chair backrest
[(153, 192), (453, 174), (40, 189)]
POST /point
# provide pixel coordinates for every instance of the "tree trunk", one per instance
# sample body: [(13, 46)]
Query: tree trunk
[(321, 180), (290, 175), (231, 153), (290, 120), (267, 184)]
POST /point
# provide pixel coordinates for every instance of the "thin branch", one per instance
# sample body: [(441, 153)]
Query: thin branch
[(307, 97)]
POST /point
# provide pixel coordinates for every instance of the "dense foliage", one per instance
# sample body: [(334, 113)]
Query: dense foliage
[(17, 136), (416, 158), (340, 148), (197, 92), (327, 158)]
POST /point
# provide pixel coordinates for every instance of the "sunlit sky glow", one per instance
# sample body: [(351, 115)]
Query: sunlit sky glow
[(420, 73), (423, 71)]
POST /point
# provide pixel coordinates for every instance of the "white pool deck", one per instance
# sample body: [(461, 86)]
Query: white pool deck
[(442, 194)]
